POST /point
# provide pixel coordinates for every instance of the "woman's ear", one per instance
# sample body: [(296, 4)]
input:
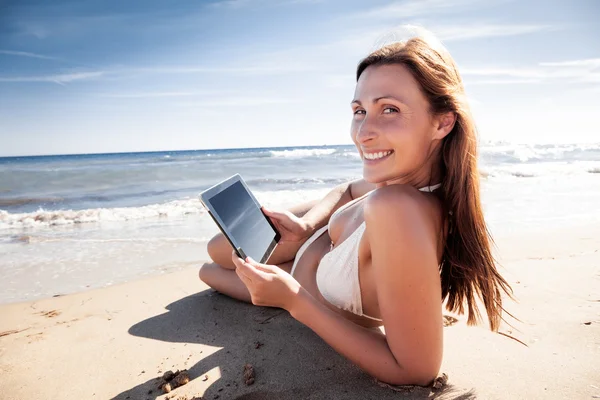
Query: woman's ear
[(444, 123)]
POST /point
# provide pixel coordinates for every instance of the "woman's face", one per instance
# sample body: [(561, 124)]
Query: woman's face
[(391, 119)]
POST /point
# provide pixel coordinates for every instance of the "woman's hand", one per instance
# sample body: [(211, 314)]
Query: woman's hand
[(292, 228), (268, 285)]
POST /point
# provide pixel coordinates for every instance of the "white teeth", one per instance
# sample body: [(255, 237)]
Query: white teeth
[(376, 156)]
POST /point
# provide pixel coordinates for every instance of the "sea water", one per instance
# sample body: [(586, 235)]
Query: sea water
[(73, 222)]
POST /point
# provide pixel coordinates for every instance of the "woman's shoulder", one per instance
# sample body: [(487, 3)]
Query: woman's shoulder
[(396, 197), (403, 206), (360, 187)]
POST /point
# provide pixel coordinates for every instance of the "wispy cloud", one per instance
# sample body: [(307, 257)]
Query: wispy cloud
[(589, 62), (34, 29), (127, 72), (451, 33), (301, 2), (570, 71), (230, 3), (509, 72), (272, 68), (150, 95), (411, 8), (236, 4), (26, 54), (58, 78), (503, 82), (239, 101)]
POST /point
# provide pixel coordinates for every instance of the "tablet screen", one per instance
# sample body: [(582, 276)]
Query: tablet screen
[(244, 221)]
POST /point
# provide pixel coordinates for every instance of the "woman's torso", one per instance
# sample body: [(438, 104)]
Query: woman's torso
[(342, 226)]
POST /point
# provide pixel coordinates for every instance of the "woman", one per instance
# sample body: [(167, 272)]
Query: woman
[(389, 249)]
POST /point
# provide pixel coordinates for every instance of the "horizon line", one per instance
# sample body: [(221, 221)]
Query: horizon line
[(171, 151)]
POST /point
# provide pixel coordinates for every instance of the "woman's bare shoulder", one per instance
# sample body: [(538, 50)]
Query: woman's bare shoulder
[(404, 205), (360, 187)]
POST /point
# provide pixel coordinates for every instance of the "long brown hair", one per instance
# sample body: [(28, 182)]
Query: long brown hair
[(468, 267)]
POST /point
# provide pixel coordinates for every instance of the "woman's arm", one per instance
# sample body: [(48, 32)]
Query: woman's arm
[(403, 249), (219, 249), (316, 214)]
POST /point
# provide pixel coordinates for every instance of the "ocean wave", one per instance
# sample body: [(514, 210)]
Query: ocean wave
[(302, 153), (48, 239), (42, 218), (520, 153), (547, 169), (173, 209), (21, 201), (296, 181)]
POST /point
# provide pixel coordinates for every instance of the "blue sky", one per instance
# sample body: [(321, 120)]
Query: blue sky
[(98, 76)]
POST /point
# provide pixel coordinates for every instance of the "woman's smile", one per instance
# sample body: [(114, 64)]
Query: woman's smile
[(377, 157)]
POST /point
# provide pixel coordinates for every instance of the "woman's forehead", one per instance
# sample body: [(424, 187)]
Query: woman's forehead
[(393, 80)]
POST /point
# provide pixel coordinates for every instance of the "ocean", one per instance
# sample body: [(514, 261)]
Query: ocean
[(74, 222)]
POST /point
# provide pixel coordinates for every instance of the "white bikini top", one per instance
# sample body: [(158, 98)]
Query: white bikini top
[(337, 273)]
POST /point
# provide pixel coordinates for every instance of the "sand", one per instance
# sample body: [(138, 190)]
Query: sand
[(116, 342)]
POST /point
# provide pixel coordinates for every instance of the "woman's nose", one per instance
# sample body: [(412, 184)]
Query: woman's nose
[(366, 130)]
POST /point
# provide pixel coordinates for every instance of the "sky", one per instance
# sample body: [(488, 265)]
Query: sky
[(95, 76)]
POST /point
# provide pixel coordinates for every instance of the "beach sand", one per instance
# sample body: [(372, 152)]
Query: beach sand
[(114, 342)]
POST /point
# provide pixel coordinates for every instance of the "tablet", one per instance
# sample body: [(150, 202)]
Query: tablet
[(238, 215)]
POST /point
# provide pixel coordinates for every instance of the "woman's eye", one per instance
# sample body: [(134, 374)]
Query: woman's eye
[(389, 110), (359, 112)]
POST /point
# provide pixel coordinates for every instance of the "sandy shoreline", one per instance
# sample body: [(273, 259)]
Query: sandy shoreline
[(113, 342)]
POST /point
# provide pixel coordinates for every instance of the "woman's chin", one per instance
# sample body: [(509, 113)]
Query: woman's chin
[(370, 177)]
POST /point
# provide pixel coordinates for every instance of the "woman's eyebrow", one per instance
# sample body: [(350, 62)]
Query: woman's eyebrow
[(377, 99)]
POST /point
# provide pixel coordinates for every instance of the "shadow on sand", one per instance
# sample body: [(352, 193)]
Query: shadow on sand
[(292, 362)]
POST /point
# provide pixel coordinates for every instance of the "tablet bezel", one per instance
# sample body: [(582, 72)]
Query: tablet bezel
[(207, 194)]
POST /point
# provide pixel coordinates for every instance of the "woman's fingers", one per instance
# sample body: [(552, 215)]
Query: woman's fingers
[(279, 215), (243, 277), (260, 267), (249, 271)]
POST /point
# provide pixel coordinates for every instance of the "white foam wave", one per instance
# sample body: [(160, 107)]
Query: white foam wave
[(545, 169), (301, 153), (353, 154), (42, 218), (172, 209), (525, 153), (50, 239)]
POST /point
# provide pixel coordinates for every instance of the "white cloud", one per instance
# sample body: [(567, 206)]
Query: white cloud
[(510, 72), (503, 82), (267, 69), (123, 73), (589, 62), (411, 8), (301, 2), (573, 71), (239, 101), (32, 29), (460, 32), (230, 3), (26, 54), (236, 4), (149, 95), (59, 78)]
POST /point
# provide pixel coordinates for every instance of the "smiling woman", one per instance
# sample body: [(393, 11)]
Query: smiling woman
[(389, 249)]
